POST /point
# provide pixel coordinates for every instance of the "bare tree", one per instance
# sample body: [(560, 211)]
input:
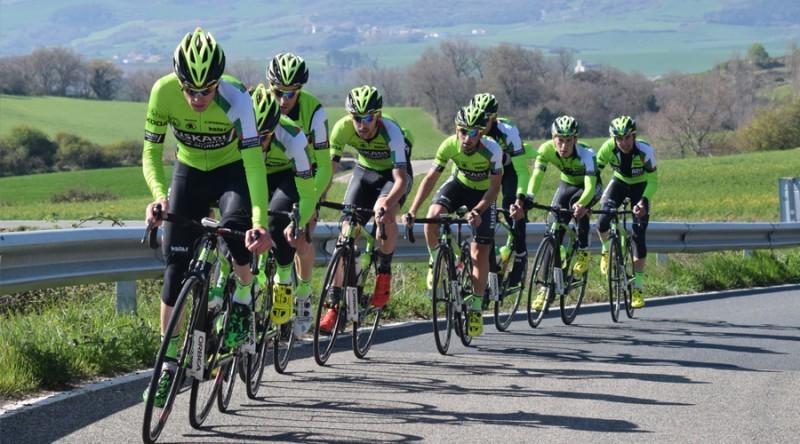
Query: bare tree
[(137, 86), (69, 70), (565, 59), (694, 108), (104, 78), (389, 82), (14, 77), (793, 64), (248, 71)]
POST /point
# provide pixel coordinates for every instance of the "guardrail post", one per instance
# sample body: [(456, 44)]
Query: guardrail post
[(126, 297), (789, 197)]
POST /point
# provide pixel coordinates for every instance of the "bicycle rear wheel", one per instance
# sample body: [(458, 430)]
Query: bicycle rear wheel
[(616, 278), (155, 417), (510, 297), (369, 316), (628, 266), (574, 290), (442, 299), (541, 278), (325, 341), (282, 346)]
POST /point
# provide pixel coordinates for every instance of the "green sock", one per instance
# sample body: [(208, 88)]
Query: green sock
[(172, 348), (605, 244), (242, 293), (638, 278), (432, 253), (477, 302), (283, 275), (303, 289)]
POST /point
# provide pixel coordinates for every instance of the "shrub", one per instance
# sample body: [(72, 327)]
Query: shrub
[(772, 128), (73, 195)]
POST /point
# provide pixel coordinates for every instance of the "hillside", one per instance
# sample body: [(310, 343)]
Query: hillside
[(652, 37)]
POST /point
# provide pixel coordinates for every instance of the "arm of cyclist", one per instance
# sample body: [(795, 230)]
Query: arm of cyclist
[(425, 188), (489, 197)]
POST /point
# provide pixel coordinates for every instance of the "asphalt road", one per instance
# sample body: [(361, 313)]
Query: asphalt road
[(720, 367)]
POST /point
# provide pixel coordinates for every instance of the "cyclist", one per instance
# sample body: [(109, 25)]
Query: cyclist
[(381, 178), (578, 187), (290, 180), (515, 174), (211, 116), (287, 74), (475, 182), (635, 177)]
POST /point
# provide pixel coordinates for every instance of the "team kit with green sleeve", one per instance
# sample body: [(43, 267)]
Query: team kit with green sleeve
[(635, 176), (578, 181), (372, 176), (310, 115), (214, 148), (470, 179)]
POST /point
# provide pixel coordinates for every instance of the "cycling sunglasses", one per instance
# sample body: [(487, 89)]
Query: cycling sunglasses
[(368, 118), (194, 92), (471, 132), (279, 93)]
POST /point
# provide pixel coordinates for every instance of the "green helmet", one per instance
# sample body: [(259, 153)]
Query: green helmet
[(565, 126), (198, 60), (267, 109), (485, 101), (364, 100), (622, 126), (472, 116), (287, 69)]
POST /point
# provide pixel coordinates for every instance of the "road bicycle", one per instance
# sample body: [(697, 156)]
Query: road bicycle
[(505, 298), (452, 279), (202, 355), (552, 269), (349, 284), (620, 261), (272, 341)]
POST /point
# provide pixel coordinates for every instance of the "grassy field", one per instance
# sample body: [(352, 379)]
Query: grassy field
[(733, 188)]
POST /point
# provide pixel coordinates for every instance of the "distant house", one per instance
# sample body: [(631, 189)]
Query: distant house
[(583, 67)]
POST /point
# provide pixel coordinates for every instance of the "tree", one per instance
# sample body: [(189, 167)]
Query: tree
[(137, 86), (565, 59), (757, 55), (29, 150), (693, 109), (773, 127), (389, 82), (104, 79), (250, 72), (14, 76)]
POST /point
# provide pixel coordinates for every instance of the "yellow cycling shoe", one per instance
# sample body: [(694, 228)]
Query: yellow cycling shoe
[(282, 303)]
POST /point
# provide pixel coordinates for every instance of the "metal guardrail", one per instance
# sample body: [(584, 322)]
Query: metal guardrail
[(33, 260)]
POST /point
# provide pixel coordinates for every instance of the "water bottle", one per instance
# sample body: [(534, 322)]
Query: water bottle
[(494, 292), (505, 253)]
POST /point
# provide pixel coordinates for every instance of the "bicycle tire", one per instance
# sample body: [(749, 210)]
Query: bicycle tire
[(541, 277), (574, 289), (324, 344), (204, 392), (253, 364), (628, 267), (369, 316), (225, 392), (505, 308), (615, 277), (461, 318), (155, 418), (442, 299)]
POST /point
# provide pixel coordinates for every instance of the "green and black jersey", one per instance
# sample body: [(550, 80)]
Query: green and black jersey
[(475, 168), (383, 152), (635, 167), (310, 115), (288, 149), (578, 170)]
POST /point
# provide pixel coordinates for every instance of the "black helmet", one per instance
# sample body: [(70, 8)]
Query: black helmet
[(287, 69), (267, 109), (198, 61), (472, 116), (364, 100)]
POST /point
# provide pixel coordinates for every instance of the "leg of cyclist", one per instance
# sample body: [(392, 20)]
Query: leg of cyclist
[(612, 198), (283, 194), (480, 251), (581, 264), (520, 248), (304, 263), (639, 245), (441, 203), (393, 195)]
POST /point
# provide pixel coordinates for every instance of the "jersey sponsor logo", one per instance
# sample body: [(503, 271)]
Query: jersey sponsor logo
[(321, 146), (192, 126), (155, 122), (475, 175), (153, 137), (218, 129), (574, 171), (203, 141), (637, 171), (374, 154), (251, 142), (156, 114)]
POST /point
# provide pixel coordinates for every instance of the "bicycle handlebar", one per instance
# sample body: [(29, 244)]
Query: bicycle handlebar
[(442, 219)]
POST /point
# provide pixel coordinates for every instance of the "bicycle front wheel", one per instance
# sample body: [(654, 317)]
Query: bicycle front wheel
[(460, 314), (369, 316), (253, 364), (442, 299), (541, 280), (616, 278), (574, 290), (225, 391), (155, 417), (628, 266), (510, 297), (329, 299)]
